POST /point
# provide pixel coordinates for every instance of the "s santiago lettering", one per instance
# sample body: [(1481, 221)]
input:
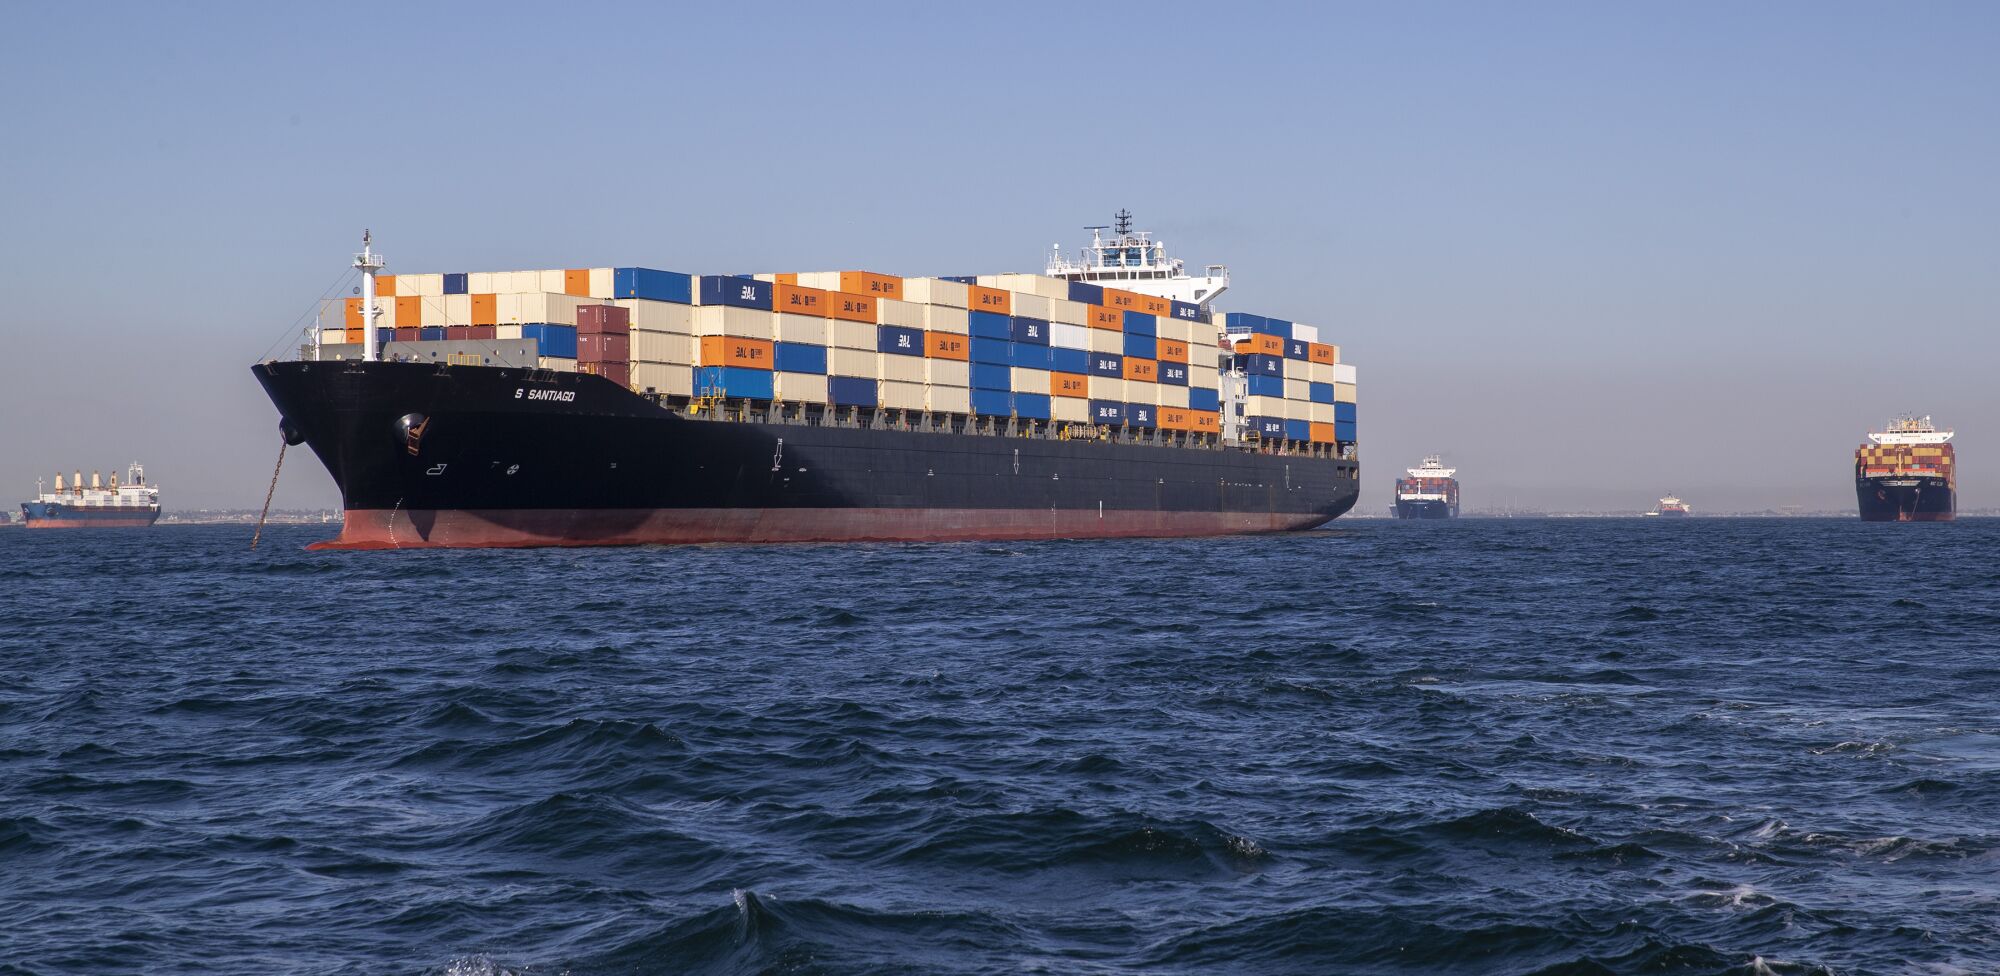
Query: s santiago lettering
[(559, 396)]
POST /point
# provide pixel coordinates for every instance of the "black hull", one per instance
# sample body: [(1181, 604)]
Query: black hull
[(505, 456), (1906, 499), (1425, 510)]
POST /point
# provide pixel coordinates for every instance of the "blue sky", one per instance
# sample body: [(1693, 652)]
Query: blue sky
[(1592, 252)]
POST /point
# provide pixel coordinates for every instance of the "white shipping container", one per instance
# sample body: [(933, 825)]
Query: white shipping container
[(458, 309), (1030, 306), (552, 282), (807, 329), (1264, 406), (851, 362), (430, 311), (1343, 393), (1320, 372), (1305, 333), (480, 283), (799, 387), (428, 285), (1320, 413), (662, 347), (766, 276), (1172, 396), (823, 280), (1104, 340), (506, 332), (522, 282), (843, 334), (1028, 380), (947, 318), (728, 320), (1298, 410), (1343, 373), (539, 307), (1297, 389), (1069, 409), (1204, 334), (654, 316), (600, 283), (909, 315), (1176, 329), (899, 368), (559, 365), (1204, 379), (948, 399), (947, 372), (1033, 284), (1106, 388), (663, 378), (902, 396), (1142, 391), (1067, 312), (936, 291), (1063, 335)]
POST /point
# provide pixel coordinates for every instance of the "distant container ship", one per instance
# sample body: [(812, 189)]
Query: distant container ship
[(1907, 473), (1430, 492), (1672, 507), (607, 406), (132, 504)]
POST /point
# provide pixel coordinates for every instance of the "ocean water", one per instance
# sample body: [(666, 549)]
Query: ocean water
[(1575, 747)]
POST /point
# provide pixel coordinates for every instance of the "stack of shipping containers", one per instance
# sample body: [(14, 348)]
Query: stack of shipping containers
[(1035, 351)]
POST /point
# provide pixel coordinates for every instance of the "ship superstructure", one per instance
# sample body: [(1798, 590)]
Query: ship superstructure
[(1430, 491), (1907, 473), (132, 503), (1134, 261)]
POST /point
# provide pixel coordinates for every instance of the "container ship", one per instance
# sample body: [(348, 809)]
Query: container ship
[(1672, 507), (1906, 473), (1430, 492), (1105, 397), (132, 504)]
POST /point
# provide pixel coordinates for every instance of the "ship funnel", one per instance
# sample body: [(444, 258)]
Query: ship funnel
[(96, 480), (59, 484), (79, 481)]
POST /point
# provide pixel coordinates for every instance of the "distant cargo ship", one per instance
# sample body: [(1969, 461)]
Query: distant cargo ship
[(610, 406), (1430, 492), (1907, 473), (1672, 507), (131, 505)]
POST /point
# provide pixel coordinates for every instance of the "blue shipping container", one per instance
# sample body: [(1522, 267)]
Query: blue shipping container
[(1173, 374), (1343, 413), (1139, 323), (992, 402), (740, 292), (1296, 349), (1298, 430), (962, 279), (1277, 327), (734, 382), (1270, 386), (1239, 323), (989, 325), (1107, 412), (1141, 346), (1344, 432), (1029, 330), (1260, 365), (655, 286), (1200, 399), (1319, 392), (436, 333), (454, 284), (992, 351), (989, 376), (552, 340), (1069, 360), (1107, 364), (1033, 357), (851, 391), (1086, 293), (1033, 405), (799, 357), (1187, 312), (1140, 414), (1271, 427), (899, 341)]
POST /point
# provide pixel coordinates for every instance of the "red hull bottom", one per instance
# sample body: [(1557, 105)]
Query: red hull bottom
[(467, 529), (139, 523), (1911, 517)]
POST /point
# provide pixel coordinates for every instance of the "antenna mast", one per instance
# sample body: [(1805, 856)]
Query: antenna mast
[(1123, 218), (369, 262)]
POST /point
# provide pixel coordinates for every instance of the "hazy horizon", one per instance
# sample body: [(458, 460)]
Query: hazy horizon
[(1591, 255)]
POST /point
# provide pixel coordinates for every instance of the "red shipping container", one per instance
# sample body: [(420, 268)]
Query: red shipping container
[(484, 332), (603, 348), (619, 373), (458, 332), (603, 320), (407, 335)]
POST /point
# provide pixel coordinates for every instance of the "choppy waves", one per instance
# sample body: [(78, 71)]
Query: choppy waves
[(1481, 747)]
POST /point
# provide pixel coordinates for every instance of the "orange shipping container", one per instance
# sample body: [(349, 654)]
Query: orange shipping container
[(353, 318), (996, 300), (385, 285), (576, 281), (1141, 369), (870, 283), (786, 279), (946, 345), (1069, 385), (1320, 352), (1261, 345), (800, 301), (850, 308), (1152, 305), (356, 336), (1206, 421), (1123, 301), (731, 351), (409, 311), (1320, 433), (1176, 418), (1172, 351), (483, 310), (1109, 319)]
